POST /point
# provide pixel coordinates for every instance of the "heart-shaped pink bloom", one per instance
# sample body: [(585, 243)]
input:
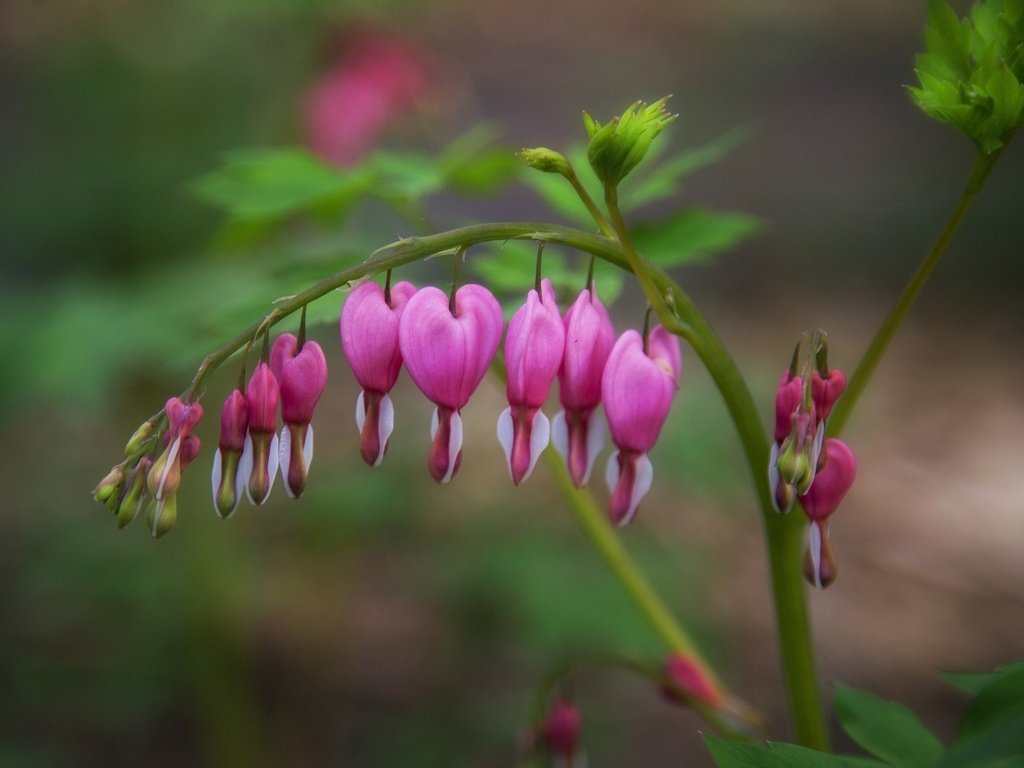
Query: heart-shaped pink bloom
[(787, 399), (302, 377), (164, 476), (369, 338), (575, 432), (534, 346), (637, 390), (831, 482), (447, 355)]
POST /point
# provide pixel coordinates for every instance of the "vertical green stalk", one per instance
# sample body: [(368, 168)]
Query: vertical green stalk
[(983, 164)]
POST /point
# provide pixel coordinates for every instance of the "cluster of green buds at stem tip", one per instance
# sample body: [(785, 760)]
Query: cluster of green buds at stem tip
[(618, 146)]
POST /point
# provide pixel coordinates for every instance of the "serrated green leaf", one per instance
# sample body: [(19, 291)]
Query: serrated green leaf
[(663, 180), (268, 184), (993, 727), (886, 729), (737, 754), (949, 40), (692, 234)]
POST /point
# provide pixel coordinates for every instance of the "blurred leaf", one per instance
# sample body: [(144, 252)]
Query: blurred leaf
[(738, 754), (276, 183), (973, 682), (692, 234), (663, 179), (405, 175), (992, 730), (886, 729)]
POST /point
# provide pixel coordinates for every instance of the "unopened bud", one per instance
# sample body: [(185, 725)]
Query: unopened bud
[(560, 730), (793, 464), (135, 495), (545, 160), (162, 515), (136, 440), (110, 485), (686, 678)]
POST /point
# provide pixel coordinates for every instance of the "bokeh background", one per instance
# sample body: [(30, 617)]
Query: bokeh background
[(385, 621)]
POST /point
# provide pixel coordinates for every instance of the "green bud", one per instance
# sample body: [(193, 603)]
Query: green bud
[(617, 147), (545, 160), (162, 515), (135, 496), (110, 485), (136, 440), (794, 466)]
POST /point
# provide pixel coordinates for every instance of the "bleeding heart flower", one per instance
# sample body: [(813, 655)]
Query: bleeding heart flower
[(180, 447), (637, 389), (260, 454), (302, 375), (227, 479), (560, 730), (576, 430), (369, 338), (686, 677), (534, 345), (447, 352), (830, 486)]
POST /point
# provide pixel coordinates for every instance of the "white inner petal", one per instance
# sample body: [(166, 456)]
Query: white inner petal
[(560, 435), (172, 454), (540, 435), (595, 442), (360, 410), (215, 478), (286, 459), (641, 485), (611, 471), (815, 549), (506, 436), (454, 445), (434, 424), (773, 476), (385, 426), (307, 447), (245, 466)]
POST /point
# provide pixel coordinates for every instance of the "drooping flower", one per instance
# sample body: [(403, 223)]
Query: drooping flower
[(228, 478), (369, 338), (830, 486), (791, 418), (260, 455), (576, 431), (637, 388), (534, 346), (559, 732), (301, 373), (180, 447), (685, 676), (447, 351)]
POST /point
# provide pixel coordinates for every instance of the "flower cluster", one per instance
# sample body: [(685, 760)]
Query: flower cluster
[(806, 466), (446, 343)]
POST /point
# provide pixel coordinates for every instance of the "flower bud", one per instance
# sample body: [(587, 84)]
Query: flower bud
[(110, 485), (618, 146), (820, 566), (260, 455), (140, 436), (227, 478), (180, 447), (161, 515), (685, 677), (560, 730), (135, 494), (826, 390), (545, 160)]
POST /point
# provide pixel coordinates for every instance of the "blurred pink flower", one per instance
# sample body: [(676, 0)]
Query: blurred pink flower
[(348, 107)]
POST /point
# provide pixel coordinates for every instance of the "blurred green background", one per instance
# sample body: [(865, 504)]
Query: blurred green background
[(386, 621)]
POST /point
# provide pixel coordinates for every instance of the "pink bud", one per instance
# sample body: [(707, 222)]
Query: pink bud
[(369, 338), (560, 730), (180, 448), (260, 456), (826, 391), (637, 388), (234, 421), (534, 345), (226, 478), (447, 356), (831, 482), (589, 337), (686, 677), (787, 399)]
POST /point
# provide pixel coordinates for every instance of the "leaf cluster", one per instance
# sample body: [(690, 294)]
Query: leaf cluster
[(972, 70), (991, 734)]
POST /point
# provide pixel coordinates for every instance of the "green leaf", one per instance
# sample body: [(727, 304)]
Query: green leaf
[(973, 682), (663, 180), (992, 730), (692, 234), (737, 754), (405, 175), (948, 40), (270, 184), (886, 729)]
